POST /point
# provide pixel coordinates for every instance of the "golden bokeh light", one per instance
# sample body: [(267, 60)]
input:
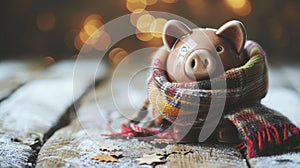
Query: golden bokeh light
[(151, 2), (92, 23), (144, 23), (117, 54), (144, 36), (240, 7), (170, 1), (83, 36), (45, 21), (245, 10), (93, 17), (136, 5), (95, 37), (135, 16), (157, 26), (155, 42), (102, 42), (78, 43), (236, 4)]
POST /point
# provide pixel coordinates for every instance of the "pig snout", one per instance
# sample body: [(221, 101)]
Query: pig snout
[(200, 64)]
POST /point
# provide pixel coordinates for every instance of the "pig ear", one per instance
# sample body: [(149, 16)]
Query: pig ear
[(172, 31), (235, 32)]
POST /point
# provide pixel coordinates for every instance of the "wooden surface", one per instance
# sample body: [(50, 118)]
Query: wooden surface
[(44, 130), (77, 143), (38, 107)]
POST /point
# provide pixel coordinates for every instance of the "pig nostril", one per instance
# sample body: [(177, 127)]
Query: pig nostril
[(193, 63), (205, 63)]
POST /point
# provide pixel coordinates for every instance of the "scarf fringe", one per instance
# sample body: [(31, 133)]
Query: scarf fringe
[(254, 144)]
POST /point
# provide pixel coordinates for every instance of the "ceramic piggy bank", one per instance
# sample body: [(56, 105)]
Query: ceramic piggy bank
[(203, 53), (196, 54)]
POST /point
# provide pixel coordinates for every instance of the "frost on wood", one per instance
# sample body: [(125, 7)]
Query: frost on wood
[(37, 106), (281, 161), (15, 73), (13, 154)]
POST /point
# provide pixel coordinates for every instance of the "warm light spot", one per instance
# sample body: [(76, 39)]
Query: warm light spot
[(193, 2), (45, 21), (236, 4), (245, 10), (135, 16), (95, 37), (102, 42), (155, 42), (83, 36), (89, 29), (78, 43), (117, 54), (92, 26), (49, 59), (169, 1), (136, 5), (93, 17), (144, 36), (157, 26), (151, 2), (70, 37), (144, 22)]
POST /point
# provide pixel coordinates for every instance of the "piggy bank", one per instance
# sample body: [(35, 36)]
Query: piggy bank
[(203, 53), (200, 53)]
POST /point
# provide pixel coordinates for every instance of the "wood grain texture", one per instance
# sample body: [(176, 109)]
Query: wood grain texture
[(15, 73), (38, 107), (76, 144), (283, 96)]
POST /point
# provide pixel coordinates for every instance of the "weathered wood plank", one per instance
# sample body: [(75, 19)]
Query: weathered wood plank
[(279, 161), (12, 152), (283, 97), (38, 106), (76, 144), (15, 73)]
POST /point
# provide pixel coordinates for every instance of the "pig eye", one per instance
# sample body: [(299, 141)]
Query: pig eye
[(219, 48), (183, 50)]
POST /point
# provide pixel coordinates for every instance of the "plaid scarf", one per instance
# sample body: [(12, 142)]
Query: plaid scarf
[(260, 128)]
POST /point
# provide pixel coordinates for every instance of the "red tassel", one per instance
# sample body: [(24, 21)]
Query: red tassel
[(284, 132), (294, 129), (260, 146), (276, 136), (240, 146), (268, 135), (250, 147), (263, 135)]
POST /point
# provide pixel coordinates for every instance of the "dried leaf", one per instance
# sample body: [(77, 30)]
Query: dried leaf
[(179, 149), (104, 158), (116, 154), (110, 147), (150, 159)]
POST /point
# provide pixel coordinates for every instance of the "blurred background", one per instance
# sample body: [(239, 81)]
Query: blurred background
[(56, 29)]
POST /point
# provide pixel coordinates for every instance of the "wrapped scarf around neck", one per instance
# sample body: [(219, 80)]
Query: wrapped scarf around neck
[(260, 128)]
